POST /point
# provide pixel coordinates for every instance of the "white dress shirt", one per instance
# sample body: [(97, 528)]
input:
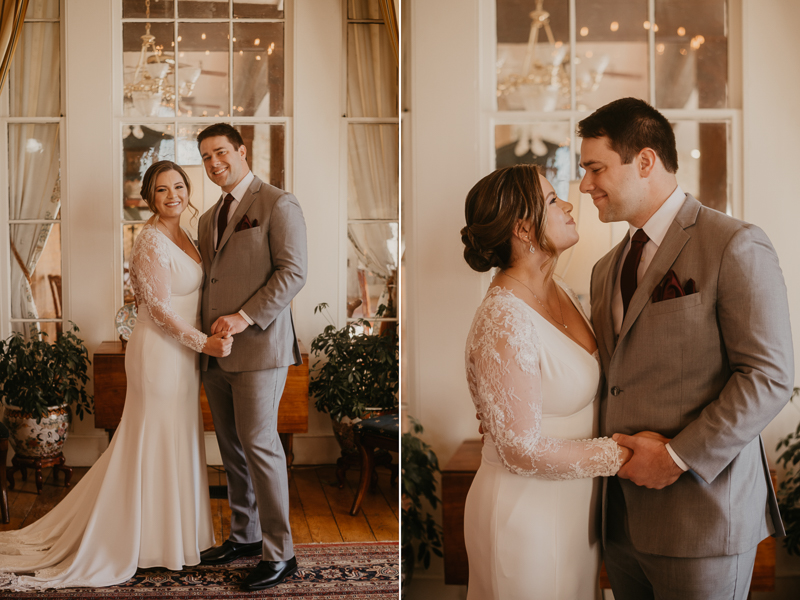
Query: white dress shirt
[(656, 229), (238, 193)]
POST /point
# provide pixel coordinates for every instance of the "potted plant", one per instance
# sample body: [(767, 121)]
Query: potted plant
[(359, 376), (419, 528), (40, 383), (789, 489)]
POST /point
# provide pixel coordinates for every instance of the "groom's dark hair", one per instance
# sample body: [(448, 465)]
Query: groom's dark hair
[(631, 125), (224, 129)]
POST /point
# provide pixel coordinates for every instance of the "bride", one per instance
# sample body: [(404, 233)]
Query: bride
[(145, 501), (533, 373)]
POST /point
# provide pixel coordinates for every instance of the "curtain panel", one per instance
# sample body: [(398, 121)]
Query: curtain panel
[(34, 159), (12, 16)]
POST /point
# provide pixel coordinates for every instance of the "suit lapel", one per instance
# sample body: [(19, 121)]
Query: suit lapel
[(605, 311), (665, 257), (244, 205), (207, 235)]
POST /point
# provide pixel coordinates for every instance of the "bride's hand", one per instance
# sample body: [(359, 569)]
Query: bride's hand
[(627, 454), (219, 344)]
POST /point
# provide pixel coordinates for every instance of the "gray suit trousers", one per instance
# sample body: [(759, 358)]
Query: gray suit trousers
[(636, 575), (245, 410)]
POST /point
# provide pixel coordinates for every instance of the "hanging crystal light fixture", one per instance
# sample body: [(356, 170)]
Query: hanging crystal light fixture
[(545, 76), (152, 84)]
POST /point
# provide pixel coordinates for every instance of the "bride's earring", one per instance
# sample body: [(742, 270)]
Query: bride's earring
[(531, 249)]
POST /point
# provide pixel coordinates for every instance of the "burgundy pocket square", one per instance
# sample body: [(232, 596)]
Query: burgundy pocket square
[(670, 288), (246, 224)]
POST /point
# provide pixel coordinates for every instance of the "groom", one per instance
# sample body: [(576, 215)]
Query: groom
[(692, 325), (253, 244)]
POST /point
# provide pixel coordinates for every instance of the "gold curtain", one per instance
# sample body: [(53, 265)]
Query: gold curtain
[(390, 20), (12, 16)]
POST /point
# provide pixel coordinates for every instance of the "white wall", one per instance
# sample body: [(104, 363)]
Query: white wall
[(89, 263), (443, 293), (771, 130)]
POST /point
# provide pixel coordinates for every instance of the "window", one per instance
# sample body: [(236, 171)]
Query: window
[(372, 131), (32, 136), (671, 53), (190, 63)]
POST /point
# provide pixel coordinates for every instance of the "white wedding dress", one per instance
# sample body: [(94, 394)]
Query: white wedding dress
[(530, 521), (145, 501)]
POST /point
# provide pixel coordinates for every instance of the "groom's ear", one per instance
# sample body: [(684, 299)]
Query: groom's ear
[(243, 151), (646, 161)]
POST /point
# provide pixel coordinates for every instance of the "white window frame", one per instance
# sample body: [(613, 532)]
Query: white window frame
[(345, 221), (491, 116), (121, 120), (6, 322)]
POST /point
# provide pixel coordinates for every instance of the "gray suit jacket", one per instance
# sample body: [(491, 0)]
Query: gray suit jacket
[(259, 270), (709, 370)]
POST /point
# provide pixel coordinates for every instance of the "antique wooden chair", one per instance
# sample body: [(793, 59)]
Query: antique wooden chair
[(377, 432)]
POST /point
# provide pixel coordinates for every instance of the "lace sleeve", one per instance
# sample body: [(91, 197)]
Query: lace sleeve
[(152, 283), (502, 360)]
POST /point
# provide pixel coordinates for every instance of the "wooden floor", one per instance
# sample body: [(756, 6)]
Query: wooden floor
[(319, 511)]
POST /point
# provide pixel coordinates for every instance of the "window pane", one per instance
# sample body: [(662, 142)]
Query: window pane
[(142, 145), (258, 9), (34, 184), (372, 253), (371, 72), (35, 271), (363, 9), (258, 69), (203, 69), (129, 233), (691, 54), (265, 154), (132, 9), (43, 9), (372, 173), (703, 162), (28, 330), (542, 144), (149, 87), (203, 9), (611, 51), (537, 79), (35, 83)]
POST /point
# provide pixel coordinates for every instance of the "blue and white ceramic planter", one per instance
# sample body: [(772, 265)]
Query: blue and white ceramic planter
[(37, 440)]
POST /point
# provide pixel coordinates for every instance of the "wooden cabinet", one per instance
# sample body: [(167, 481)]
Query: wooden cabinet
[(457, 477), (110, 386)]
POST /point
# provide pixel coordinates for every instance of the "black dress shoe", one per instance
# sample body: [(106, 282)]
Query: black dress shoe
[(228, 552), (268, 574)]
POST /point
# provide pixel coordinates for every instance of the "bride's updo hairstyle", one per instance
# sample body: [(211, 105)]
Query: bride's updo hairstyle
[(149, 184), (494, 207)]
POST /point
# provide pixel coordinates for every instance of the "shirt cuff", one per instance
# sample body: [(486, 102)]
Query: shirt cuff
[(677, 459), (251, 322)]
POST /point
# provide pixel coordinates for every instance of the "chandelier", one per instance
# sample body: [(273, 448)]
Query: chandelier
[(152, 84), (545, 78)]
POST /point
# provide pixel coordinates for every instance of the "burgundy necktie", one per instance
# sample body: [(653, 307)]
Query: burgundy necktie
[(628, 277), (222, 220)]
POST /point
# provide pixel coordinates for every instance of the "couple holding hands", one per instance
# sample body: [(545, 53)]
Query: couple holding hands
[(686, 358), (220, 310)]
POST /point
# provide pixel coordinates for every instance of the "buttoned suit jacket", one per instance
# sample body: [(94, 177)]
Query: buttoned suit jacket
[(709, 370), (260, 270)]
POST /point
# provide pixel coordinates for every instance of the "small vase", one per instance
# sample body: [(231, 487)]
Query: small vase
[(38, 440)]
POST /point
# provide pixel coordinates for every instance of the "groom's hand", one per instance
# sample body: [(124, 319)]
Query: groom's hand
[(232, 324), (651, 465)]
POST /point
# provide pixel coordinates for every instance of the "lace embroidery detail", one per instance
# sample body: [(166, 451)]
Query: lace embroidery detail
[(26, 583), (504, 377), (151, 281)]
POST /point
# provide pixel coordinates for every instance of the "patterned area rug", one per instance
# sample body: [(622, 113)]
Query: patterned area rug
[(326, 572)]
